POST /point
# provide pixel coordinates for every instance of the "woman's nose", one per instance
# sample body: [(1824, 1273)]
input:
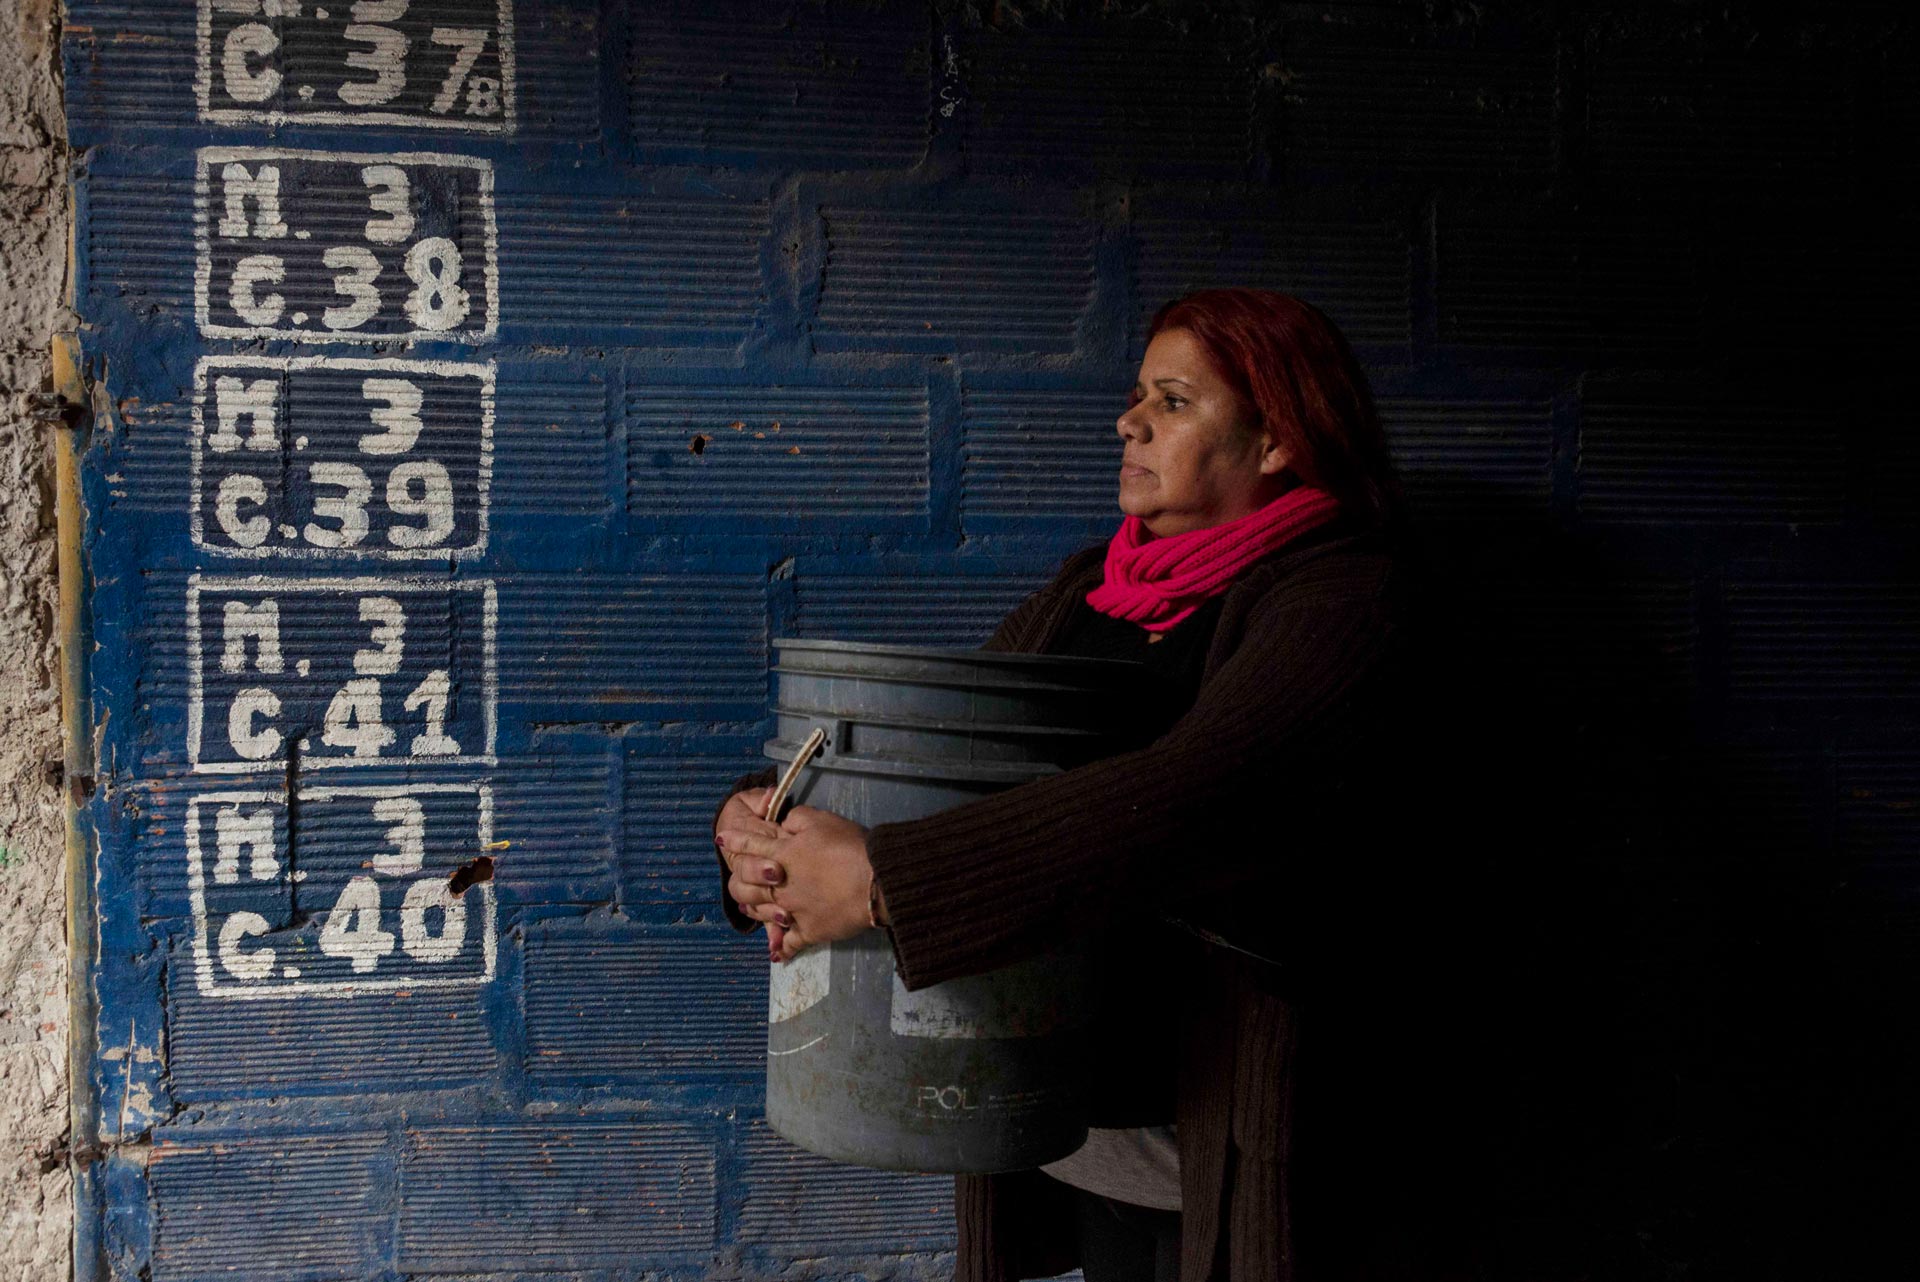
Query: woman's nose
[(1130, 427)]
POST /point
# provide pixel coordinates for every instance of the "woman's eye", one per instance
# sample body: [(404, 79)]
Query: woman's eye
[(1174, 402)]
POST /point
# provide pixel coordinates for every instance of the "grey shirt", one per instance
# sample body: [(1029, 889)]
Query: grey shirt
[(1137, 1164)]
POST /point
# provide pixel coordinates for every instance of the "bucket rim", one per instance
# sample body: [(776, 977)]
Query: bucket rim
[(944, 768), (977, 682), (905, 722), (955, 654)]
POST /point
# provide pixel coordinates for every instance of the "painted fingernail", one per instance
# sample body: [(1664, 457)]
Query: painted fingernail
[(720, 839), (771, 872), (784, 920)]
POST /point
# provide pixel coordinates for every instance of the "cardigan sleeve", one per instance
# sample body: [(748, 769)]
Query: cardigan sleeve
[(985, 884)]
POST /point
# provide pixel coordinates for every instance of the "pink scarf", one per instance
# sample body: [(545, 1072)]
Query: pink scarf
[(1158, 582)]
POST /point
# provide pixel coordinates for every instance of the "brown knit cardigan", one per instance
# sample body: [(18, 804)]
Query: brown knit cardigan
[(1263, 821)]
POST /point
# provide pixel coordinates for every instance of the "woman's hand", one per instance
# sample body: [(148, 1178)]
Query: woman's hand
[(742, 813), (808, 879)]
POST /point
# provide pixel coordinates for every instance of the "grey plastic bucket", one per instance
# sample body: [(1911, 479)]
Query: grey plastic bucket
[(979, 1074)]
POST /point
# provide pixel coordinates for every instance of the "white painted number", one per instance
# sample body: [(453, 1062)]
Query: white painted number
[(408, 836), (389, 195), (362, 248), (353, 932), (401, 862), (437, 301), (353, 929), (421, 944), (353, 719), (357, 268), (389, 628), (431, 696), (468, 44), (399, 416), (386, 58), (349, 507), (483, 96), (435, 503)]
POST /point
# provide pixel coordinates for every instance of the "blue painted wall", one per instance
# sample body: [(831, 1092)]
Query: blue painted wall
[(814, 321)]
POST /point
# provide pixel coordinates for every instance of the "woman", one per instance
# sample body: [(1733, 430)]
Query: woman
[(1258, 568)]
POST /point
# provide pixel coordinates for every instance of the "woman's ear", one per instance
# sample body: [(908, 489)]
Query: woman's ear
[(1274, 458)]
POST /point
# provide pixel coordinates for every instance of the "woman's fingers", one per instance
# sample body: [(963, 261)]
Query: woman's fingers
[(762, 839), (751, 894), (753, 868), (736, 829)]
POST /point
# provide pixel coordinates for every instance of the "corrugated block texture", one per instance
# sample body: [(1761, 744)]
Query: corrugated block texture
[(223, 1205), (1878, 819), (550, 438), (1354, 264), (790, 1191), (663, 1003), (1521, 275), (1822, 643), (789, 457), (1118, 100), (996, 278), (433, 1039), (1712, 120), (1387, 102), (140, 245), (573, 1194), (774, 84), (1028, 449), (668, 791), (1657, 454), (1473, 459), (938, 609), (608, 647), (451, 483), (657, 267)]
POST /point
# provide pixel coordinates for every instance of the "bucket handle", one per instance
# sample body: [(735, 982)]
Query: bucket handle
[(792, 773)]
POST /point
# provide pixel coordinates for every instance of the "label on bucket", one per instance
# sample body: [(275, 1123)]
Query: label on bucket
[(799, 984), (1024, 1000)]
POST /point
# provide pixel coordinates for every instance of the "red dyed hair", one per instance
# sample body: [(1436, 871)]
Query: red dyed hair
[(1296, 368)]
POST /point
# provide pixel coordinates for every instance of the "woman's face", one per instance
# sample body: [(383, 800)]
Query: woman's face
[(1195, 455)]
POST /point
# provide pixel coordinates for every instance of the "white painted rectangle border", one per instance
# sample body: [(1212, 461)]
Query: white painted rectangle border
[(204, 973), (490, 694), (484, 371), (207, 157), (509, 90)]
